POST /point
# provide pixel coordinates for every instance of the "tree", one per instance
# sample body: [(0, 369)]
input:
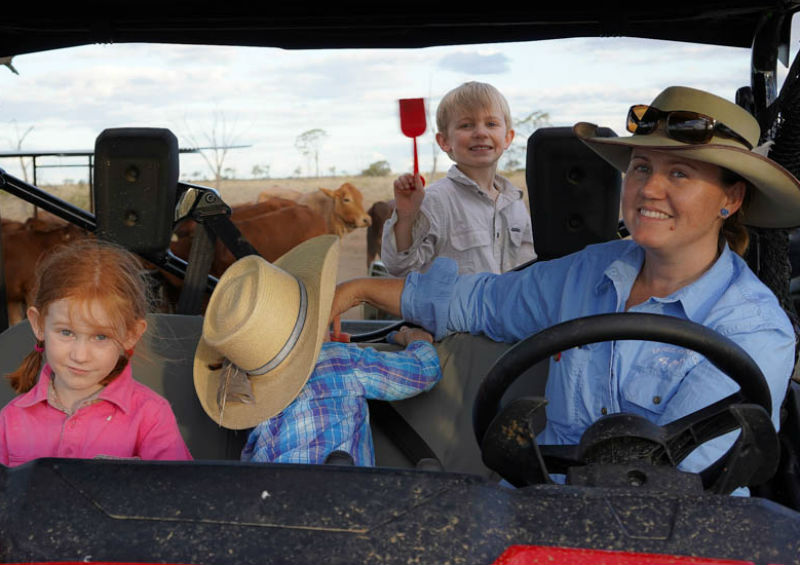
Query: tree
[(377, 169), (523, 127), (20, 138), (309, 144), (220, 140), (260, 172)]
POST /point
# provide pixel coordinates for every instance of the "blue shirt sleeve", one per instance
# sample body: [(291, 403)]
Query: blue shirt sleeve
[(506, 307)]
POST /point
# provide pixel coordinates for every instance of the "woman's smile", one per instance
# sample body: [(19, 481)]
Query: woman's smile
[(655, 214)]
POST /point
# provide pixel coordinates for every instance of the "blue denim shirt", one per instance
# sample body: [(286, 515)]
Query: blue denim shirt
[(659, 381)]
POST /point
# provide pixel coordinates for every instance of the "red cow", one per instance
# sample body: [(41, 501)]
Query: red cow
[(22, 247), (343, 208), (379, 212)]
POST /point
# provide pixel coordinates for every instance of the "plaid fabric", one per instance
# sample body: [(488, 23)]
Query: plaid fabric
[(330, 413)]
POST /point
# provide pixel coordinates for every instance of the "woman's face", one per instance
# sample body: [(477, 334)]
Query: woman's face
[(673, 205)]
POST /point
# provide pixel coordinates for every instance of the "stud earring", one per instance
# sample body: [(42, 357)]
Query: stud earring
[(39, 347), (724, 212)]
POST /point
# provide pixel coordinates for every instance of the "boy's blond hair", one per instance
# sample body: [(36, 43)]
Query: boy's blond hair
[(471, 95)]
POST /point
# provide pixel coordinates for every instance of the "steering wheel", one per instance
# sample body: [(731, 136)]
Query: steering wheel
[(507, 437)]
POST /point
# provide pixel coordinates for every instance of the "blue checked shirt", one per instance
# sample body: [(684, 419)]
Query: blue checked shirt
[(658, 381), (331, 413)]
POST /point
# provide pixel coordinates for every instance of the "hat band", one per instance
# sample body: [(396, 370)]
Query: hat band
[(293, 337), (236, 381)]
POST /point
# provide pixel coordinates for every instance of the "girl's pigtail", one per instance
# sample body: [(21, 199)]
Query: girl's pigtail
[(23, 379)]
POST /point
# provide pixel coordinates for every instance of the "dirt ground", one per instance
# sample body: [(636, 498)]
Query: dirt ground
[(353, 252)]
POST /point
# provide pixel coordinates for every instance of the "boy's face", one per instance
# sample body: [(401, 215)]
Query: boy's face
[(476, 137)]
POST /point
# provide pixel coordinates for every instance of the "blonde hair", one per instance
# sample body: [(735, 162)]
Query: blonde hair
[(471, 95), (88, 270)]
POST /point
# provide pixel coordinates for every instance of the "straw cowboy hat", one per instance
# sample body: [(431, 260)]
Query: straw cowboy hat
[(776, 201), (262, 332)]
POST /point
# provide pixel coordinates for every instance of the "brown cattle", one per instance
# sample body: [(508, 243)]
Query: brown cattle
[(263, 206), (279, 192), (343, 208), (379, 212), (22, 247), (271, 233)]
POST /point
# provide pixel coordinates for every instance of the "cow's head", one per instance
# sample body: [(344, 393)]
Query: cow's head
[(348, 206)]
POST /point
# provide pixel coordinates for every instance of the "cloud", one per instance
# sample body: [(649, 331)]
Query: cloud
[(475, 63)]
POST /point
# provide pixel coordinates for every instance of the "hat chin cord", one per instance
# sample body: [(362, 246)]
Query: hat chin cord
[(235, 381)]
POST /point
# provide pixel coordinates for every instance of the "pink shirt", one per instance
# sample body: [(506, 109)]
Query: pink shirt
[(126, 420)]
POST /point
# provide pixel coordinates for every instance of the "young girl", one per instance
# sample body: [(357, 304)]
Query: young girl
[(88, 313)]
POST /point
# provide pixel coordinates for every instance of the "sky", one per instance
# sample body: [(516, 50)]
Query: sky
[(266, 97)]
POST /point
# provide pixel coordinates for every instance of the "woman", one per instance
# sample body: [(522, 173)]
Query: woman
[(692, 178)]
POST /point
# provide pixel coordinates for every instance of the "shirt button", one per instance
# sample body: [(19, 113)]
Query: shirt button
[(656, 400), (604, 410)]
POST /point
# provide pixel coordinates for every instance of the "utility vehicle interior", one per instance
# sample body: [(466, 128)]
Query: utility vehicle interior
[(435, 495)]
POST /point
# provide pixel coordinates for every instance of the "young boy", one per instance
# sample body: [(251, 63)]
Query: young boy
[(473, 215), (263, 361)]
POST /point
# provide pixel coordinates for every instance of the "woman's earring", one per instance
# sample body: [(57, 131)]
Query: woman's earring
[(724, 212), (39, 347)]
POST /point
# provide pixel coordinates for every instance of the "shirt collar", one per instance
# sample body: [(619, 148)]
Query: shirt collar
[(117, 391), (692, 297), (504, 185)]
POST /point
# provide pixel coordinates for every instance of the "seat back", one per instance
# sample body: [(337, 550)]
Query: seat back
[(574, 194), (163, 361), (136, 182)]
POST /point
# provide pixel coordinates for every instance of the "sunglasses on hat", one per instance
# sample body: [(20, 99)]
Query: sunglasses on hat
[(681, 125)]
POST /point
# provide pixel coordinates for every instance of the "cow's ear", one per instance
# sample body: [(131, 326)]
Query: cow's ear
[(328, 192)]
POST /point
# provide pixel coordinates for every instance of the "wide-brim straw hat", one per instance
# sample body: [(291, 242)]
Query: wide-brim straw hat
[(268, 320), (776, 201)]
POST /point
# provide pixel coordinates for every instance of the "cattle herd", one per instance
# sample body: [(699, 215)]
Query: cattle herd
[(276, 222)]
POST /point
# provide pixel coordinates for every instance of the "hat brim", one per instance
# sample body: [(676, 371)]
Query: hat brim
[(315, 263), (774, 204)]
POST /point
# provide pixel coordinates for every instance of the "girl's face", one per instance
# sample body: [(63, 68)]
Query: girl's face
[(673, 204), (78, 344)]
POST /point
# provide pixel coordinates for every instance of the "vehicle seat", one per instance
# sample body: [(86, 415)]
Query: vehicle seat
[(163, 361), (574, 193)]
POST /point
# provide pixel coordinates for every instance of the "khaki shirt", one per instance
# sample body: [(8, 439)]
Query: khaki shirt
[(458, 220)]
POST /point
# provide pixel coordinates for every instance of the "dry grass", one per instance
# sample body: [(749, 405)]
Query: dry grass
[(373, 188), (232, 191)]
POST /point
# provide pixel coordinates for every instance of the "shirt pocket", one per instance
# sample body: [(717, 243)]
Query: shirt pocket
[(469, 249), (569, 394), (466, 240), (519, 233), (654, 380)]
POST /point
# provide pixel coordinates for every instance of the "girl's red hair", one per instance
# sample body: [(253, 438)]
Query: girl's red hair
[(87, 270)]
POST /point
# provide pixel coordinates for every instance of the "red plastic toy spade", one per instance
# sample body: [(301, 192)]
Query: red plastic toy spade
[(412, 122)]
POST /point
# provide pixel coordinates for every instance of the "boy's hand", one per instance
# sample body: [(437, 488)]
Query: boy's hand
[(408, 194), (406, 335), (336, 333)]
